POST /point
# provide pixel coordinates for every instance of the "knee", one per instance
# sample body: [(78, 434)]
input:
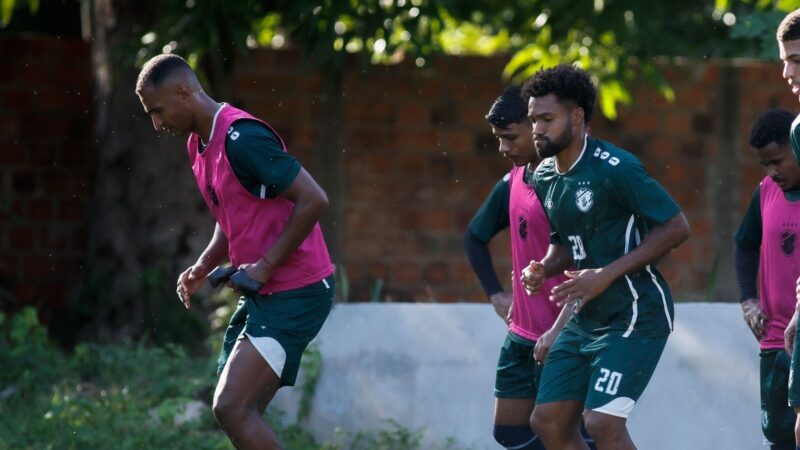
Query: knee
[(541, 424), (227, 411), (603, 427)]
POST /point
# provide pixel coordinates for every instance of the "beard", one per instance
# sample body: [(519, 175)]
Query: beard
[(550, 148)]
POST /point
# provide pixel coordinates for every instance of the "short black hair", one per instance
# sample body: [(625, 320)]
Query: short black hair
[(568, 83), (158, 69), (509, 108), (774, 125), (789, 29)]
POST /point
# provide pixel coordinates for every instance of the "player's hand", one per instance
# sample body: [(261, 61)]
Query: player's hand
[(755, 318), (790, 333), (581, 287), (532, 277), (502, 302), (259, 270), (189, 282), (543, 345)]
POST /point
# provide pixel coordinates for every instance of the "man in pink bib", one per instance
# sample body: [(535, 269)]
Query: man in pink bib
[(267, 209), (767, 263), (533, 321)]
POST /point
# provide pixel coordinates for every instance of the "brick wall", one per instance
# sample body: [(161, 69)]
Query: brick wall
[(419, 160), (45, 166)]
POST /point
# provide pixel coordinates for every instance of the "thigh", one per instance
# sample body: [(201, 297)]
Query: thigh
[(566, 370), (517, 375), (246, 379), (621, 370), (280, 326)]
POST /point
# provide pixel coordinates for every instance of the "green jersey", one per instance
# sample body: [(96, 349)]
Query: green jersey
[(794, 137), (601, 209)]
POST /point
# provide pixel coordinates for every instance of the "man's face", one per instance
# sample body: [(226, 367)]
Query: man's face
[(516, 142), (790, 55), (780, 165), (167, 107), (552, 125)]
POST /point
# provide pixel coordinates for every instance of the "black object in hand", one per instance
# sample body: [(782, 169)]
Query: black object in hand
[(220, 275), (238, 278)]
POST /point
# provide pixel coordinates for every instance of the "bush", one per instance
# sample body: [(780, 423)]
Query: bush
[(130, 396)]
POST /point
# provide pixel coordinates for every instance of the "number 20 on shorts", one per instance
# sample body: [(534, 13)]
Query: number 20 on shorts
[(608, 382)]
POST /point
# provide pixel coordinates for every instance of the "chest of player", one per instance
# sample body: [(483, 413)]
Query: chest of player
[(580, 202), (780, 222)]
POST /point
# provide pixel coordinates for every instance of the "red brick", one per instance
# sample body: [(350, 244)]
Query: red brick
[(40, 209), (412, 114), (460, 142), (440, 219), (71, 210), (21, 238), (23, 182), (13, 154)]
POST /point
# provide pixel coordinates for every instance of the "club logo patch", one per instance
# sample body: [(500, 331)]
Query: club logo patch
[(523, 227), (584, 199), (788, 242)]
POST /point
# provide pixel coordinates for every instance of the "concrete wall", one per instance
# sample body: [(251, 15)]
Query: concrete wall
[(431, 367)]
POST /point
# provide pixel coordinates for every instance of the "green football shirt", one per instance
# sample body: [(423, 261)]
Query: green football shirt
[(794, 137), (601, 209)]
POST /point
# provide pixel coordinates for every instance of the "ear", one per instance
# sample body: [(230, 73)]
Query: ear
[(183, 91), (577, 115)]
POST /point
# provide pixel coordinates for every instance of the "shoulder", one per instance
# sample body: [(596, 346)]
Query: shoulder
[(250, 129), (606, 155), (545, 169)]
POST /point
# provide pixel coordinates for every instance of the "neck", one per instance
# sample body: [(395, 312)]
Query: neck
[(567, 157), (207, 108)]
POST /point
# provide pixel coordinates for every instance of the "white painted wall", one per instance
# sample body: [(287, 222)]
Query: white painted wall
[(431, 367)]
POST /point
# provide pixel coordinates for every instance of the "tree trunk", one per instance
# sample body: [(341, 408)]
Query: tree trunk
[(147, 221)]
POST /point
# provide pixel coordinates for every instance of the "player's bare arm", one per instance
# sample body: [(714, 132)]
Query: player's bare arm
[(191, 280), (310, 201), (589, 283), (557, 259)]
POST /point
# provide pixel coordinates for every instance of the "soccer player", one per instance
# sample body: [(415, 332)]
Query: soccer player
[(765, 247), (266, 207), (532, 319), (788, 36), (611, 221)]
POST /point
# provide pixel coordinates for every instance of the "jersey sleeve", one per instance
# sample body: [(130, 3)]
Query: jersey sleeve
[(748, 236), (257, 158), (643, 195), (492, 216)]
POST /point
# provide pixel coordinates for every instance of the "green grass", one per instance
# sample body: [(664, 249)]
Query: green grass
[(127, 397)]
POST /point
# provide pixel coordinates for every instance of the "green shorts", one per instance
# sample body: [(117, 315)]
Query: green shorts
[(607, 373), (517, 372), (280, 325), (777, 417)]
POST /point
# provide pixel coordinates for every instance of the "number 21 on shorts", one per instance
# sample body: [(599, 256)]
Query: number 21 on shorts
[(608, 382)]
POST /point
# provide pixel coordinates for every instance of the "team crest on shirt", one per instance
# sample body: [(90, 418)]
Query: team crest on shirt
[(584, 199), (788, 242), (523, 227)]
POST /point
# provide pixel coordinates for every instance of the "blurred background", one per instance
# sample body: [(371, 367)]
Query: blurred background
[(383, 102)]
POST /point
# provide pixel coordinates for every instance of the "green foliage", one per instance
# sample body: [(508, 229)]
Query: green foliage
[(7, 9), (311, 364), (129, 397)]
